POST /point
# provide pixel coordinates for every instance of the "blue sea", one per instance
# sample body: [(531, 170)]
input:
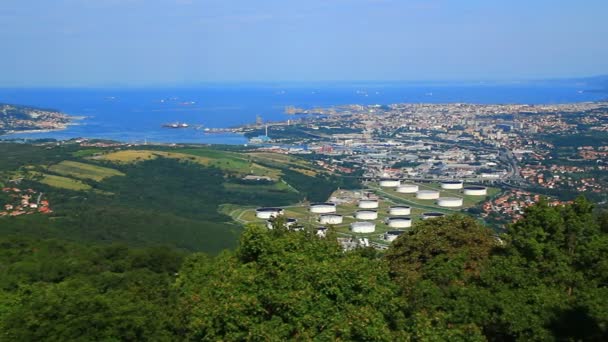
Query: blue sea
[(137, 115)]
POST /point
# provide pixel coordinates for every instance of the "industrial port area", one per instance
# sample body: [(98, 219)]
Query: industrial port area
[(519, 145), (422, 161)]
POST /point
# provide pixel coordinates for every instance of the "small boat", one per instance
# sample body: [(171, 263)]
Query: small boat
[(176, 125)]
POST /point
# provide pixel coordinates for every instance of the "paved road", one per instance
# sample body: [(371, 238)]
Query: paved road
[(514, 170)]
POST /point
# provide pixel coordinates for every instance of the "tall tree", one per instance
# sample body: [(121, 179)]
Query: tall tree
[(282, 285)]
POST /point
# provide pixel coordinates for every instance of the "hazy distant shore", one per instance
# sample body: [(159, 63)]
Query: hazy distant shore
[(73, 122)]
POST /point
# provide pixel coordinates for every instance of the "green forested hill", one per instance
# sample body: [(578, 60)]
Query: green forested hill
[(147, 196), (448, 279), (93, 268)]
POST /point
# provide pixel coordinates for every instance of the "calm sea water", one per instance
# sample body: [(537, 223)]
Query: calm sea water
[(135, 115)]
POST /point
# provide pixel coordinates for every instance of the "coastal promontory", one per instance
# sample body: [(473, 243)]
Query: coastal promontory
[(15, 118)]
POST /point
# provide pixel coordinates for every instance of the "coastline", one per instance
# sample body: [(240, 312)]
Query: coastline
[(72, 122), (138, 116), (33, 131)]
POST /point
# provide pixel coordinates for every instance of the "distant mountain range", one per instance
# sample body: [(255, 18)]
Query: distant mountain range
[(24, 118)]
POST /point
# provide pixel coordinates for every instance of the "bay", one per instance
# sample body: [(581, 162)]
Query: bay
[(137, 114)]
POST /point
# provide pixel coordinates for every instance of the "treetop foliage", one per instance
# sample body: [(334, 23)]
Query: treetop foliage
[(447, 279)]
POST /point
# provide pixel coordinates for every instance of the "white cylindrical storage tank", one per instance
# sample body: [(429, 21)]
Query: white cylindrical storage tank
[(331, 219), (297, 228), (399, 222), (321, 231), (408, 188), (400, 210), (389, 183), (288, 223), (368, 204), (475, 191), (392, 235), (363, 227), (451, 185), (427, 194), (449, 202), (323, 208), (366, 215), (431, 215), (266, 213)]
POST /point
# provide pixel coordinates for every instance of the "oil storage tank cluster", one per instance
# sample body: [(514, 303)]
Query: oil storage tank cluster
[(363, 227), (400, 210), (408, 188), (399, 222), (368, 204), (323, 208), (267, 213), (366, 215), (390, 183), (427, 194), (475, 191), (431, 215), (331, 219), (452, 185), (450, 202)]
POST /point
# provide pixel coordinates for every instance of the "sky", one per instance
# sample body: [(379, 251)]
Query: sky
[(174, 42)]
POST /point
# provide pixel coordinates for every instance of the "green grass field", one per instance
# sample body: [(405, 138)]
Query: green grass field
[(87, 152), (256, 163), (83, 171), (282, 160), (228, 161), (63, 182), (278, 186)]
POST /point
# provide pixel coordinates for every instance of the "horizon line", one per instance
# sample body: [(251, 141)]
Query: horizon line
[(308, 82)]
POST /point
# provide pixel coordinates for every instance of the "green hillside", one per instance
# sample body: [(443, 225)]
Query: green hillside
[(153, 196)]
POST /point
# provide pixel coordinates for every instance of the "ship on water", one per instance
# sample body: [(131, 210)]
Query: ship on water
[(176, 125)]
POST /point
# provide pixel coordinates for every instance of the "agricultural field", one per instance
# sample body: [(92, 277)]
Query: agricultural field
[(225, 160), (63, 182), (128, 156), (283, 161), (83, 171), (87, 152), (255, 188), (228, 161)]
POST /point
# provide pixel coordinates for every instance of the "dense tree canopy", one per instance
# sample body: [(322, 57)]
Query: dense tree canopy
[(53, 290), (281, 285), (447, 279), (445, 250)]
